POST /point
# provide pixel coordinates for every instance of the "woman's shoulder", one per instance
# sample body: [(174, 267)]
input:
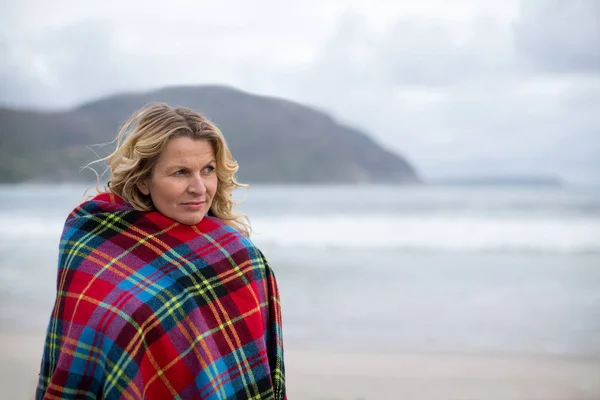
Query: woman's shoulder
[(220, 227), (225, 233), (98, 207), (102, 203)]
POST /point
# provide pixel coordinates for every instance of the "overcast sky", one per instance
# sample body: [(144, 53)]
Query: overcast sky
[(459, 87)]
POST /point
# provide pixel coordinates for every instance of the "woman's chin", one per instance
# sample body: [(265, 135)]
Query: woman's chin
[(189, 218)]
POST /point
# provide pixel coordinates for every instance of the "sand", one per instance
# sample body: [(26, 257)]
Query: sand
[(328, 375)]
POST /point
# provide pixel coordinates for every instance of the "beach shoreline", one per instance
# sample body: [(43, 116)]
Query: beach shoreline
[(320, 374)]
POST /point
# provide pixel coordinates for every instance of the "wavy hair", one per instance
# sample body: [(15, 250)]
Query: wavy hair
[(140, 143)]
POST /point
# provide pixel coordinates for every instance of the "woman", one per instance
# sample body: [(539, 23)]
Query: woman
[(160, 293)]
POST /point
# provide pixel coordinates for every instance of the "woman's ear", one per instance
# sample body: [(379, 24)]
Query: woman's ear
[(143, 187)]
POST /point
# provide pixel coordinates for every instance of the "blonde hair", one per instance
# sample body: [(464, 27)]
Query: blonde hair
[(140, 143)]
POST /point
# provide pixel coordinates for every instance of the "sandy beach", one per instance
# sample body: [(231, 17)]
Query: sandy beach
[(327, 375)]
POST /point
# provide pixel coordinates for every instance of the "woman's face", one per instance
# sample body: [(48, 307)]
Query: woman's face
[(183, 181)]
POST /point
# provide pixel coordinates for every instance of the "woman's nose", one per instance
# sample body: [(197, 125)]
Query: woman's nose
[(197, 185)]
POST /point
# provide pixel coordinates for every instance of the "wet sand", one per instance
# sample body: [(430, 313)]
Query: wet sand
[(327, 375)]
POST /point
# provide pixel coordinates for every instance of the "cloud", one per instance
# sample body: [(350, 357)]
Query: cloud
[(457, 87), (75, 62), (89, 51), (458, 101), (560, 36)]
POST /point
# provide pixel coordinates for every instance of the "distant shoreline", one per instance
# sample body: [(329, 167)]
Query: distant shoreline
[(501, 181)]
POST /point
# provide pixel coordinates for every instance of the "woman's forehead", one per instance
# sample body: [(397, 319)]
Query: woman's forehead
[(187, 150)]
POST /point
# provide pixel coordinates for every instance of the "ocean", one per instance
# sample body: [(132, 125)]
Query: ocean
[(389, 268)]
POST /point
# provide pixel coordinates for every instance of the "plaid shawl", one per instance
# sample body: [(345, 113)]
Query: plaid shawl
[(148, 308)]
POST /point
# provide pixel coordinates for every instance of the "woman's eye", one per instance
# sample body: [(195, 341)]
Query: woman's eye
[(180, 172), (209, 169)]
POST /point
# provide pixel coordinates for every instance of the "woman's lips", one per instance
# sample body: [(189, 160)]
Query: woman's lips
[(193, 205)]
